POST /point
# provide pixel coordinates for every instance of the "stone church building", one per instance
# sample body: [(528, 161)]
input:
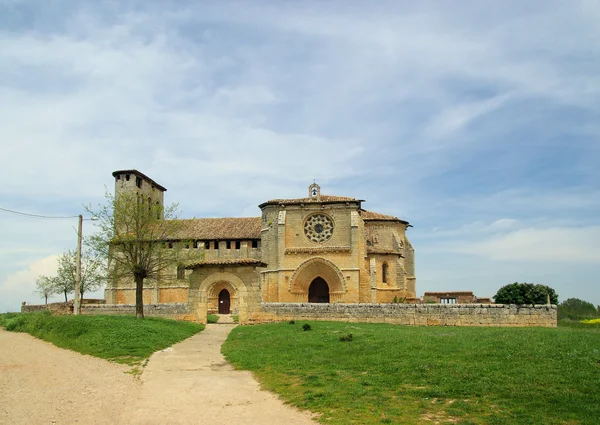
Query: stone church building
[(313, 249)]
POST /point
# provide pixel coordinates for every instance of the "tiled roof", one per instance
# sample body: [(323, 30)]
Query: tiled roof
[(371, 250), (374, 216), (227, 262), (217, 228), (139, 174), (323, 199)]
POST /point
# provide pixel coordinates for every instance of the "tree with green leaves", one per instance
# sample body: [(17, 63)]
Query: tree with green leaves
[(139, 240), (525, 293), (45, 287), (93, 275), (93, 272), (576, 309)]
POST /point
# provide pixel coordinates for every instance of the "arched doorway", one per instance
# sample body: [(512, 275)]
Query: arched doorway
[(318, 292), (224, 302)]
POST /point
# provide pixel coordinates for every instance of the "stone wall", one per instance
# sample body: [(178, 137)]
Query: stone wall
[(413, 314), (177, 311), (55, 308)]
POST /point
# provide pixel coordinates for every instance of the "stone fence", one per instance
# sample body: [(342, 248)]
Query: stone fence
[(55, 308), (413, 314)]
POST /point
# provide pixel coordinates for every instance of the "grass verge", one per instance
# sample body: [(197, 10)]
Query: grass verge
[(123, 339), (415, 375)]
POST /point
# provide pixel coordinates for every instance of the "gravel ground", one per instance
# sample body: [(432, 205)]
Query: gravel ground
[(189, 383)]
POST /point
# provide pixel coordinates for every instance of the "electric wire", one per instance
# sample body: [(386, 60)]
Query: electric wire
[(38, 215)]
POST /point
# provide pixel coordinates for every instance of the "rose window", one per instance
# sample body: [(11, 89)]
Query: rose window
[(318, 228)]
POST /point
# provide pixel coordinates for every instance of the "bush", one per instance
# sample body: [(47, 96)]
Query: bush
[(292, 322), (346, 338), (212, 318), (525, 293), (306, 327)]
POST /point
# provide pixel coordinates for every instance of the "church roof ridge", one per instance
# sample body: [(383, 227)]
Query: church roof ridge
[(322, 199)]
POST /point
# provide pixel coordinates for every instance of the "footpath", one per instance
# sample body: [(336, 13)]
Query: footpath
[(188, 383)]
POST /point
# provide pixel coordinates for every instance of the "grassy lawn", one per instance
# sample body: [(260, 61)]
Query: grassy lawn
[(416, 375), (122, 339)]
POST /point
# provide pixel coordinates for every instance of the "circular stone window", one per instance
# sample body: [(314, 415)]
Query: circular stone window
[(318, 228)]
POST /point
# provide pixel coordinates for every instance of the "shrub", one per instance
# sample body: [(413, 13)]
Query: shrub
[(525, 293), (346, 338), (292, 322), (306, 327), (212, 318)]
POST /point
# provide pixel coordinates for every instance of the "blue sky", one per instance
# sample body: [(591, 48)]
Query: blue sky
[(478, 122)]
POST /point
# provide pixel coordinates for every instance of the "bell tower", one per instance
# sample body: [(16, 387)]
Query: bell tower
[(314, 191), (134, 182)]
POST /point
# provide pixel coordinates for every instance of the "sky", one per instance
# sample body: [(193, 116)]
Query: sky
[(476, 121)]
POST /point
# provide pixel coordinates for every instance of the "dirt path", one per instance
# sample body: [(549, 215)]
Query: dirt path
[(189, 383), (43, 384)]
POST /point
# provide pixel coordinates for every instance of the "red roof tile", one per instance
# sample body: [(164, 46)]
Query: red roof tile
[(323, 199), (218, 228), (374, 216)]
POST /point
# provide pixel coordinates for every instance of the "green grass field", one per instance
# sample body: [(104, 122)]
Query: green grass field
[(415, 375), (122, 339)]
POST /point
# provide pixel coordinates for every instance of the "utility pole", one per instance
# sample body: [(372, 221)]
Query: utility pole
[(76, 301)]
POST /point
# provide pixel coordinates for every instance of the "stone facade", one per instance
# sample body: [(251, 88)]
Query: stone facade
[(320, 248)]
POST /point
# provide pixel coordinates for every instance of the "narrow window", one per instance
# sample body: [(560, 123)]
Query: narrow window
[(228, 244), (180, 272), (195, 244), (207, 245), (216, 244), (170, 245), (149, 205), (118, 177), (187, 246), (127, 177), (138, 182), (157, 210), (384, 273), (254, 243), (238, 244)]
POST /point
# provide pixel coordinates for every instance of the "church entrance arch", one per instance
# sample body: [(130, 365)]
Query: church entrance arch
[(329, 283), (318, 292), (224, 302)]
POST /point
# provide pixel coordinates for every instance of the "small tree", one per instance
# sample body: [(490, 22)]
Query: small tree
[(45, 287), (93, 272), (138, 240), (525, 293)]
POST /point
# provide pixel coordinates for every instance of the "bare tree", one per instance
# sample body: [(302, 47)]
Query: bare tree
[(139, 240)]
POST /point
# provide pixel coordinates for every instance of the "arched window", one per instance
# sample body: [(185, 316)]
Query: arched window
[(384, 273)]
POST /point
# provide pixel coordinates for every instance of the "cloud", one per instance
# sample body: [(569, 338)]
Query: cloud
[(541, 245), (20, 286)]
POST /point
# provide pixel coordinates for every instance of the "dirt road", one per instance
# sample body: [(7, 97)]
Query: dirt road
[(189, 383)]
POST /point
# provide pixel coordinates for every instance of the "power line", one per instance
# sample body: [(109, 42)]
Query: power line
[(37, 215)]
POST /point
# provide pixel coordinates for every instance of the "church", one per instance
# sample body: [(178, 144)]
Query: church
[(313, 249)]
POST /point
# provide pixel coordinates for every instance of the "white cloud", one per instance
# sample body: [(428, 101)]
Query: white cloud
[(20, 286), (568, 244)]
